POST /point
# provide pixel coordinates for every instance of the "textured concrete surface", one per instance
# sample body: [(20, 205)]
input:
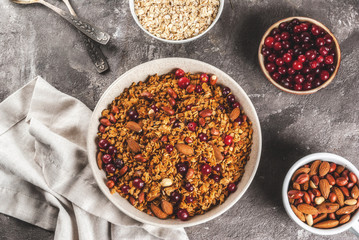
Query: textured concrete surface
[(35, 41)]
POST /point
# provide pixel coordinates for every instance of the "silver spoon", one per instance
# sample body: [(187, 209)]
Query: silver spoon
[(92, 32), (93, 49)]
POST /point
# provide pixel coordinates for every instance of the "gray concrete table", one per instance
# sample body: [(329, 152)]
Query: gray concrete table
[(35, 41)]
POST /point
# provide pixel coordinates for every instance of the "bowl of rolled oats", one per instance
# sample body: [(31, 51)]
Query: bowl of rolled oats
[(174, 142), (176, 21)]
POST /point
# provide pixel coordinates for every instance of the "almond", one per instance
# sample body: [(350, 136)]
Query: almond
[(355, 192), (158, 212), (167, 207), (139, 158), (350, 202), (217, 153), (340, 169), (324, 169), (328, 207), (123, 170), (99, 160), (141, 197), (344, 219), (314, 168), (320, 218), (340, 196), (234, 114), (345, 191), (190, 173), (133, 145), (168, 110), (300, 171), (346, 210), (184, 149), (205, 113), (327, 224), (105, 121), (324, 187), (297, 213), (133, 126), (307, 209)]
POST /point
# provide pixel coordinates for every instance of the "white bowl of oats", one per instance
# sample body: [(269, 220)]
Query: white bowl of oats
[(176, 21)]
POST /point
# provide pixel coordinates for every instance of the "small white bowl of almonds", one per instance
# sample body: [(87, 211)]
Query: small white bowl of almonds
[(320, 193), (176, 21)]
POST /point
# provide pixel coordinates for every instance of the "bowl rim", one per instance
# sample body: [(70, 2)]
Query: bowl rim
[(314, 90), (102, 185), (304, 160), (220, 9)]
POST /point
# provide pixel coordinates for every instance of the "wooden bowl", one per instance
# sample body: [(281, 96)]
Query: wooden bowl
[(302, 19)]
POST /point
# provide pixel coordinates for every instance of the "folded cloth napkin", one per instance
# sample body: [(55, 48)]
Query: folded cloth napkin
[(44, 175)]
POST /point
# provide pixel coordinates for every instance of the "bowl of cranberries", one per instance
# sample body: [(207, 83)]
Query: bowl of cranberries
[(299, 55)]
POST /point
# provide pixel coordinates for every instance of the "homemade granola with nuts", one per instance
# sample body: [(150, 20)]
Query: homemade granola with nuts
[(176, 19), (175, 145)]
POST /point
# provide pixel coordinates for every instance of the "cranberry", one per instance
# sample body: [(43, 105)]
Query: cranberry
[(192, 126), (270, 67), (305, 37), (182, 214), (299, 79), (203, 137), (320, 59), (119, 163), (103, 143), (328, 39), (290, 71), (274, 31), (204, 78), (183, 82), (154, 108), (125, 189), (277, 37), (175, 196), (221, 107), (286, 44), (307, 86), (297, 65), (232, 187), (282, 70), (226, 91), (329, 60), (277, 46), (189, 199), (215, 177), (297, 29), (287, 85), (169, 148), (296, 39), (217, 168), (228, 140), (309, 77), (317, 82), (283, 26), (324, 51), (320, 42), (313, 64), (304, 27), (324, 75), (276, 76), (106, 159), (279, 62), (198, 89), (206, 169), (306, 70), (179, 73), (266, 51), (311, 55), (269, 41), (231, 98), (133, 114), (181, 168), (298, 87), (189, 187), (138, 183), (238, 120), (301, 58), (285, 36), (113, 178), (112, 150), (331, 69), (236, 105), (110, 168), (287, 58), (188, 107), (315, 30)]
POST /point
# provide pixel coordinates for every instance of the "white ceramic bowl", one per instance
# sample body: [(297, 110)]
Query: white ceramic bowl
[(132, 9), (353, 223), (141, 73)]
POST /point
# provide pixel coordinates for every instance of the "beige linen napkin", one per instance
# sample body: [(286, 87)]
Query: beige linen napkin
[(44, 175)]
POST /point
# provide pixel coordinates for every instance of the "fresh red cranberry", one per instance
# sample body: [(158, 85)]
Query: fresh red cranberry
[(192, 126), (266, 51), (320, 59), (297, 65), (179, 73), (276, 76), (112, 150), (271, 58), (317, 82), (331, 69), (328, 39), (110, 168), (306, 38), (283, 26), (313, 64), (231, 98), (287, 85), (270, 67), (297, 29), (290, 71), (132, 114), (215, 177), (183, 82), (217, 168), (189, 199), (285, 36), (206, 169), (311, 55), (279, 62), (301, 58), (113, 178), (282, 70), (119, 163), (239, 120), (306, 70), (296, 39), (286, 44), (277, 38), (324, 75), (277, 46), (203, 137), (298, 87), (315, 30), (304, 27), (204, 78), (138, 183), (274, 31), (189, 187), (309, 77), (125, 189), (198, 88), (189, 107), (154, 108), (236, 105), (175, 197), (329, 60), (228, 140), (103, 143), (226, 91), (320, 42), (324, 51), (307, 86), (287, 58), (306, 46), (169, 148), (181, 168), (182, 214), (106, 159), (299, 79), (232, 187), (269, 41)]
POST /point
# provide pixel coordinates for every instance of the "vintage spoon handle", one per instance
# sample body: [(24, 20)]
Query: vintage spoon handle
[(92, 32), (93, 49)]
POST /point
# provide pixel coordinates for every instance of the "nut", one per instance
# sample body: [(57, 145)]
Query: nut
[(320, 218), (158, 212), (306, 198), (319, 200), (340, 169), (355, 192), (234, 114), (167, 207), (190, 173), (133, 126), (345, 191), (115, 109), (330, 179), (172, 101), (346, 210), (333, 166), (300, 171), (312, 185), (309, 219), (105, 121), (303, 178), (139, 158), (213, 80), (353, 178), (217, 153), (332, 216), (133, 145), (332, 197), (327, 224), (295, 194), (141, 197), (314, 167), (296, 186), (344, 219), (316, 192), (327, 207), (298, 213), (172, 93), (324, 168), (205, 113), (184, 149), (202, 121), (147, 95), (341, 181), (164, 138), (340, 196), (166, 182), (168, 110), (190, 88), (112, 118), (99, 160), (214, 132), (307, 209), (188, 140), (132, 200), (324, 188), (315, 180), (350, 202)]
